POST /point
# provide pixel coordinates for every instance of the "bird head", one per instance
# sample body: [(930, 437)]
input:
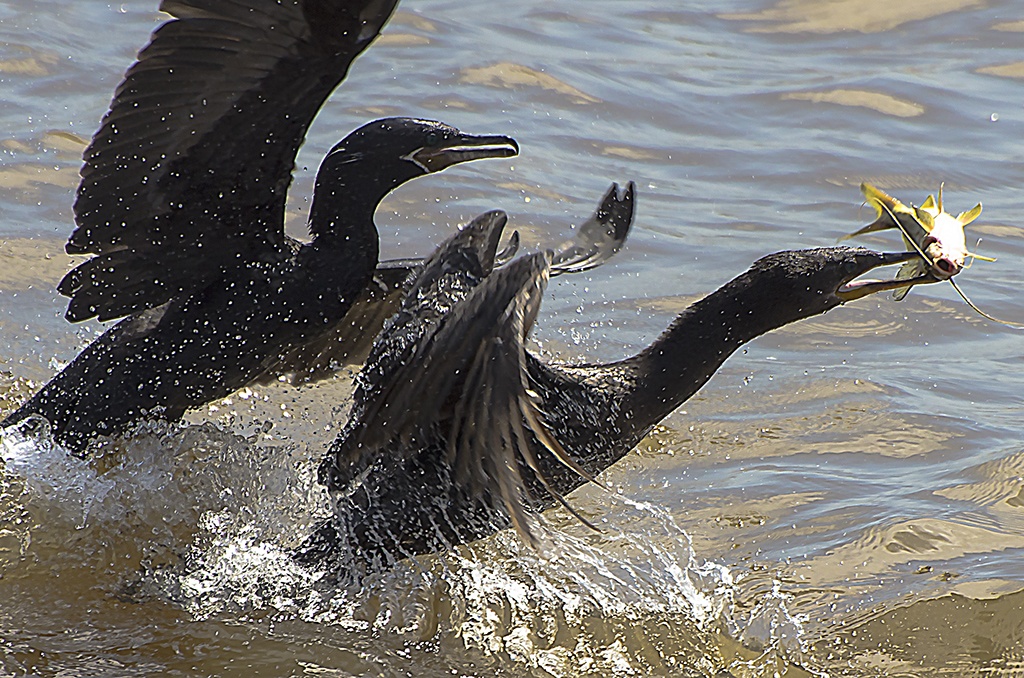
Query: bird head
[(802, 283), (458, 264), (399, 149), (382, 155)]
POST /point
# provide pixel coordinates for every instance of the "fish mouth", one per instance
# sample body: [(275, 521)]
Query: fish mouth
[(463, 148), (856, 289), (944, 265)]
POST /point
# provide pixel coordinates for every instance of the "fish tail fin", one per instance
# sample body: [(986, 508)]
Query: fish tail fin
[(886, 208)]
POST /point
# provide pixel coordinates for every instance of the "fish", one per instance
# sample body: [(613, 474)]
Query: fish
[(929, 230)]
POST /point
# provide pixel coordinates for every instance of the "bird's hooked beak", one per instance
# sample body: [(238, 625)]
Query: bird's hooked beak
[(482, 236), (462, 148), (855, 289)]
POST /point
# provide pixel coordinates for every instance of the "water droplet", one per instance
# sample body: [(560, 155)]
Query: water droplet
[(994, 117)]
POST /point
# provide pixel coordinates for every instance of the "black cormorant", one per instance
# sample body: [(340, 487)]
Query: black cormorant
[(467, 431), (182, 204)]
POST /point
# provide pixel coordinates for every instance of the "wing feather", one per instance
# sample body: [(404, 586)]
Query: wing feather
[(194, 157)]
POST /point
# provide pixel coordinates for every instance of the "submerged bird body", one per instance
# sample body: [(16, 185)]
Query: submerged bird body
[(181, 207), (512, 432)]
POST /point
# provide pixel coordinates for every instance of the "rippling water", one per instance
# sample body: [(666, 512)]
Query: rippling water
[(846, 496)]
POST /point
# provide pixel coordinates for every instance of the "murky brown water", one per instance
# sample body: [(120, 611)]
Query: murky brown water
[(846, 496)]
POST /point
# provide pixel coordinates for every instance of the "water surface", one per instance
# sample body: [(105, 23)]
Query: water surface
[(845, 496)]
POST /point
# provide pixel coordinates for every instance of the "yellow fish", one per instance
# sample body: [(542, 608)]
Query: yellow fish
[(928, 230)]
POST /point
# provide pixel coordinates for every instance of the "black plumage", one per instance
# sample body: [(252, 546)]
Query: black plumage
[(496, 433), (181, 206)]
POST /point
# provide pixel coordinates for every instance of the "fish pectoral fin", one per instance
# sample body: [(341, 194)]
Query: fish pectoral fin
[(970, 215), (911, 269), (925, 217), (908, 271), (929, 204)]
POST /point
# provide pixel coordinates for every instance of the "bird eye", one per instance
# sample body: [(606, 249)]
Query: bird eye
[(432, 139)]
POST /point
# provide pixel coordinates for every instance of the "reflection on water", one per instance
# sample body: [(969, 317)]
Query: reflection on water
[(883, 103), (845, 496), (872, 16), (512, 76)]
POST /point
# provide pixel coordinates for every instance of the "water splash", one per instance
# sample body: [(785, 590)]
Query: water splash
[(617, 603), (205, 520), (66, 483)]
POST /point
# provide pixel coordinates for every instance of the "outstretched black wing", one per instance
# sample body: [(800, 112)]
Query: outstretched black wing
[(599, 237), (189, 171), (467, 375), (456, 368)]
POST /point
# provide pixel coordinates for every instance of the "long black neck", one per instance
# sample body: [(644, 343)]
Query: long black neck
[(673, 368), (623, 400), (347, 194), (335, 266)]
